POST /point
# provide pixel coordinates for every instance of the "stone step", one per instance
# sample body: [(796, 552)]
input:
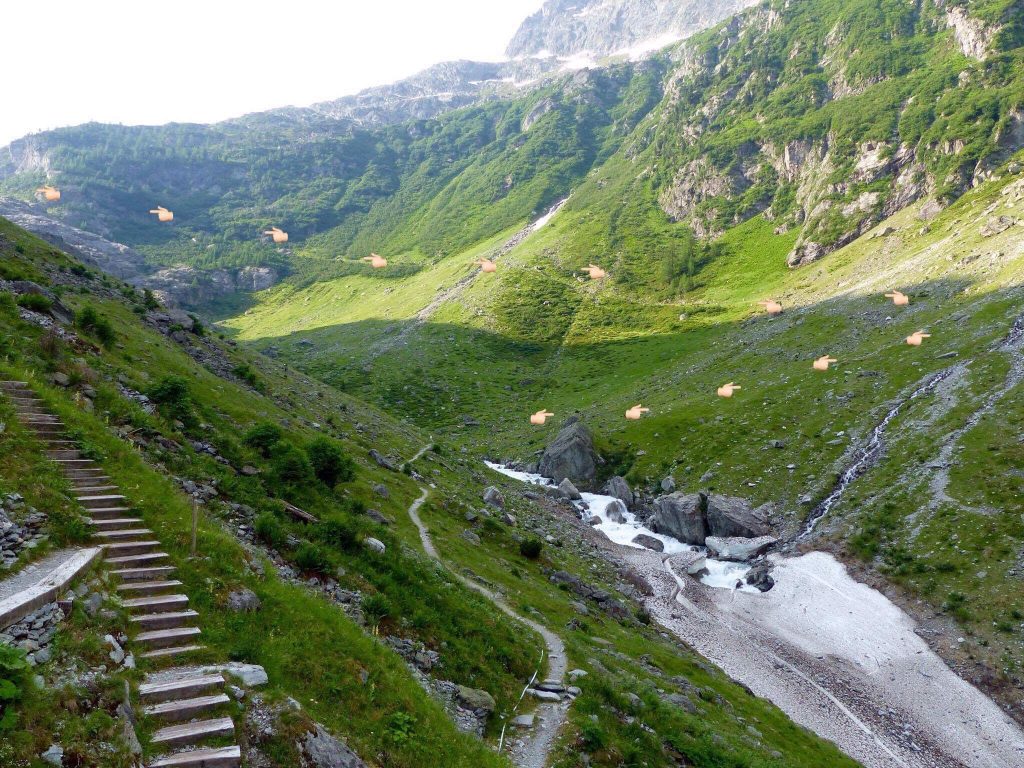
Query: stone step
[(147, 587), (186, 686), (186, 709), (166, 620), (101, 501), (86, 473), (137, 575), (139, 560), (221, 757), (119, 534), (93, 488), (166, 638), (123, 549), (191, 733), (177, 650), (64, 453), (156, 604), (107, 513), (75, 463), (111, 523)]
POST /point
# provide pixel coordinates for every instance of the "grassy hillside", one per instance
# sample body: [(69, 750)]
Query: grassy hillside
[(329, 659)]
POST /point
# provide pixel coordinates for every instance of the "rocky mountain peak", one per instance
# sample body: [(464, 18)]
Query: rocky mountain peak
[(598, 28)]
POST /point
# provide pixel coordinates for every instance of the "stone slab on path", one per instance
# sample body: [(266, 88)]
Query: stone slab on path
[(40, 583)]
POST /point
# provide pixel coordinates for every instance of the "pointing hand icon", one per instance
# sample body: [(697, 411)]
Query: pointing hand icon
[(771, 307), (822, 363), (50, 194), (377, 262), (728, 389), (279, 236), (899, 299), (596, 273), (540, 417), (636, 412), (916, 338), (486, 265), (162, 214)]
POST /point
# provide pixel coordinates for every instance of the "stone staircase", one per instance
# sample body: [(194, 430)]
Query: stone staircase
[(187, 705)]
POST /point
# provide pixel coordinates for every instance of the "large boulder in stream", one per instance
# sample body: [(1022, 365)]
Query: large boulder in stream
[(571, 455), (730, 516), (619, 488), (680, 515), (616, 511)]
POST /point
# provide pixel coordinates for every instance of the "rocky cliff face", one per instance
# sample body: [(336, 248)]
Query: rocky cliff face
[(604, 27)]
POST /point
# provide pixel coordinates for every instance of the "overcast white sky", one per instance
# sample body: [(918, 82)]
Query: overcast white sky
[(139, 61)]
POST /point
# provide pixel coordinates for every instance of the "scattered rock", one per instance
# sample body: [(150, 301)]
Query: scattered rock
[(381, 490), (732, 516), (382, 461), (471, 537), (243, 601), (378, 517), (523, 721), (571, 455), (375, 545), (619, 488), (760, 576), (996, 224), (54, 755), (323, 750), (616, 511), (668, 484), (649, 542), (688, 562), (493, 497), (476, 699), (567, 488)]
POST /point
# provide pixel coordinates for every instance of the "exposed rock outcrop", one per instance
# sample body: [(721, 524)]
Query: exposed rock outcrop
[(619, 489), (681, 515), (571, 455)]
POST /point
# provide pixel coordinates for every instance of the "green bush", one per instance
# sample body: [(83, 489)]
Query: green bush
[(263, 437), (376, 608), (290, 465), (311, 558), (338, 533), (245, 372), (14, 676), (35, 302), (172, 397), (269, 530), (93, 322), (330, 464), (7, 304), (531, 548)]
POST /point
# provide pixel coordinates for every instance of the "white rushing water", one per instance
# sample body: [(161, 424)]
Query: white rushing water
[(721, 574)]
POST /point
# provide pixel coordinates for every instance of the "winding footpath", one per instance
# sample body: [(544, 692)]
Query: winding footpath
[(550, 716)]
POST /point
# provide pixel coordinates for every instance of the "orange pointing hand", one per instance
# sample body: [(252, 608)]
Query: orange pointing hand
[(636, 412), (540, 417), (376, 261), (486, 265), (899, 299), (50, 194), (279, 236), (771, 307), (596, 273), (728, 389), (822, 363), (917, 337), (162, 214)]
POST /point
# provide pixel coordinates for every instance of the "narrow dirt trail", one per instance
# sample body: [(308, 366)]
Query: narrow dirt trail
[(536, 744)]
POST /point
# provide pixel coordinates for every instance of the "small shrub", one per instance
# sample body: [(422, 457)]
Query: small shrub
[(290, 465), (14, 676), (35, 302), (246, 374), (263, 437), (592, 735), (149, 300), (269, 530), (172, 397), (531, 548), (338, 533), (376, 608), (330, 464), (8, 306), (93, 322), (197, 326), (309, 557)]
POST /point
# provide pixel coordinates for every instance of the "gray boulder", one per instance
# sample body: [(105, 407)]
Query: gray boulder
[(619, 488), (732, 516), (476, 699), (243, 601), (649, 542), (688, 562), (322, 750), (569, 490), (737, 548), (571, 455), (493, 497), (616, 511), (375, 545), (760, 576), (668, 484), (680, 515)]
